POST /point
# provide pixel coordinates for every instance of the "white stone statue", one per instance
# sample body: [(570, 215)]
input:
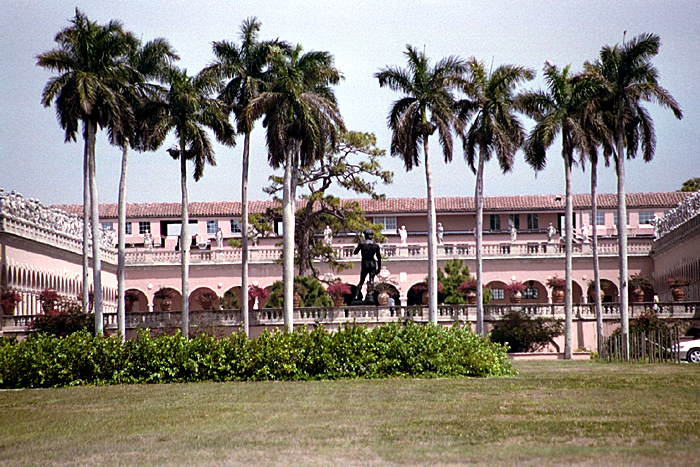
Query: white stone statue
[(148, 241), (219, 239), (550, 233), (584, 232), (513, 233), (328, 236), (440, 233), (403, 234)]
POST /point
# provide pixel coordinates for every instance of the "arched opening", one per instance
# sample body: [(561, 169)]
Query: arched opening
[(203, 299), (231, 299), (135, 301), (535, 292), (389, 288), (416, 293), (498, 294), (160, 303)]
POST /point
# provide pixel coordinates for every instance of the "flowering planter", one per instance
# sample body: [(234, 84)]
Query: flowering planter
[(637, 295), (516, 297), (9, 309), (338, 300), (383, 299), (557, 296), (296, 300), (678, 294), (471, 298), (166, 304)]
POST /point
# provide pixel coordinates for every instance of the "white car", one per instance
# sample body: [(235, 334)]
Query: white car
[(690, 351)]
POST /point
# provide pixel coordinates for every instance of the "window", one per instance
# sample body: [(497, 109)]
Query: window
[(389, 223), (531, 292), (498, 294), (599, 218), (645, 217), (236, 226), (107, 226), (144, 227), (615, 218), (514, 220), (128, 228), (494, 222), (212, 227), (533, 222)]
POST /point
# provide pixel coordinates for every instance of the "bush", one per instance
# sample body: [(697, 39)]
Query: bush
[(66, 317), (309, 288), (391, 350), (524, 333)]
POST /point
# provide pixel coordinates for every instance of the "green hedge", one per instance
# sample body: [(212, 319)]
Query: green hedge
[(391, 350)]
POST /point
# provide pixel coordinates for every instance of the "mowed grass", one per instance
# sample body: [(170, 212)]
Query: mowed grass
[(553, 413)]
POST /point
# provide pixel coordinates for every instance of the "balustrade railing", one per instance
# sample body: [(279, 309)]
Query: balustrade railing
[(335, 316)]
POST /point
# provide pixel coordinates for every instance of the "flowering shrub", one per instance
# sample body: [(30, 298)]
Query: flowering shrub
[(677, 281), (10, 298), (65, 318), (338, 289), (49, 297), (257, 292), (556, 283), (163, 292), (467, 287), (514, 287)]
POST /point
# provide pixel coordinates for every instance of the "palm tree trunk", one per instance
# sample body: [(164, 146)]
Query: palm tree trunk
[(622, 238), (245, 312), (185, 241), (432, 241), (121, 247), (479, 202), (86, 229), (288, 241), (568, 295), (596, 261), (95, 221)]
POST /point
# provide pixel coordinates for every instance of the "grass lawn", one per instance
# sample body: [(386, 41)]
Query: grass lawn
[(553, 413)]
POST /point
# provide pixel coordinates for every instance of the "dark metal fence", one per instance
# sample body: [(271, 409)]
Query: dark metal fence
[(656, 346)]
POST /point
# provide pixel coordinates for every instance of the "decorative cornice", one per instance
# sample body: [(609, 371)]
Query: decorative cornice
[(686, 210)]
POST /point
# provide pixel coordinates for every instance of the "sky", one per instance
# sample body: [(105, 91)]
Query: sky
[(363, 36)]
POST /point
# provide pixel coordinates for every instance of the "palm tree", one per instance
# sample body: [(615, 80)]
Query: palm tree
[(559, 110), (302, 119), (630, 79), (131, 129), (427, 105), (91, 62), (494, 128), (246, 68), (188, 109)]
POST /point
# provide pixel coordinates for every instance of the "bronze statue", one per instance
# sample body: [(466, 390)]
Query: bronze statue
[(370, 267)]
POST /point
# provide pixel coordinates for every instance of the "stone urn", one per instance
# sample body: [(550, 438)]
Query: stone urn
[(471, 297), (338, 300), (8, 309), (383, 299), (678, 294), (637, 295), (516, 297), (296, 301), (557, 296), (166, 304)]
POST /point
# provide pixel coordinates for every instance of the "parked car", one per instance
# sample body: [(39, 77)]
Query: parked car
[(690, 351)]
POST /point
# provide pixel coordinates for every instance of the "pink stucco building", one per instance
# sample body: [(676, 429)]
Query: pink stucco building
[(522, 241)]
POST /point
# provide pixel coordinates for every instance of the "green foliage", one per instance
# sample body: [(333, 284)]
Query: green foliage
[(692, 184), (523, 333), (391, 350), (309, 288), (456, 273)]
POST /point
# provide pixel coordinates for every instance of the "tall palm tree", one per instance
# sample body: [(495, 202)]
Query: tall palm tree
[(494, 129), (428, 104), (631, 79), (131, 129), (92, 70), (301, 118), (559, 111), (188, 109), (246, 66)]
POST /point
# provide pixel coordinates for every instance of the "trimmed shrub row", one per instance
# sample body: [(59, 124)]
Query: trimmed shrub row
[(352, 352)]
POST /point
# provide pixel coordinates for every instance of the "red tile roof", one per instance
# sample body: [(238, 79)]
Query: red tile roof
[(397, 205)]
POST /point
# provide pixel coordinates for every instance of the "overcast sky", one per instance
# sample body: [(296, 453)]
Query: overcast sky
[(363, 36)]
